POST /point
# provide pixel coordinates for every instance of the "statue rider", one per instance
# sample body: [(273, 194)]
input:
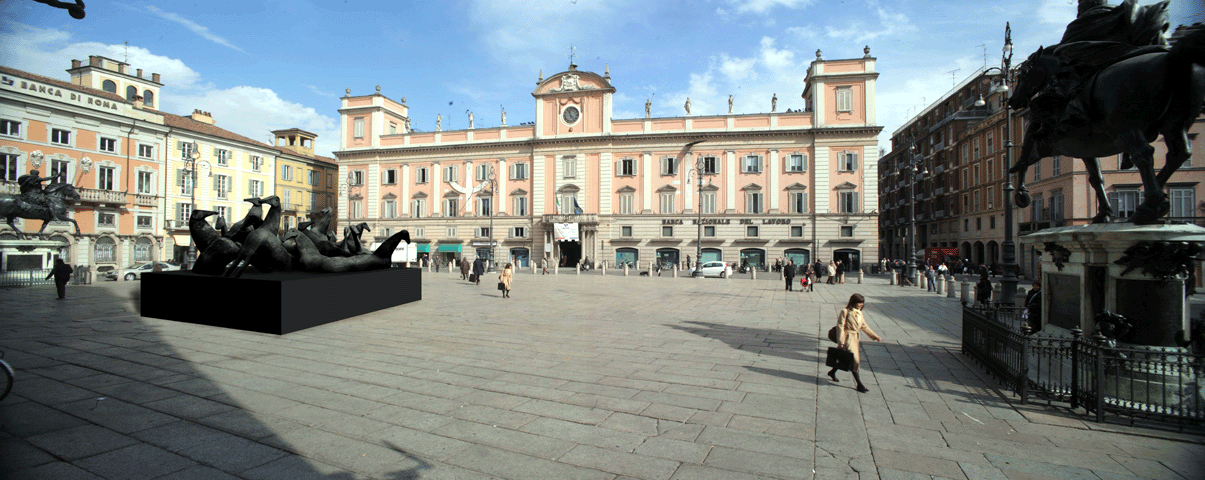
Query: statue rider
[(1101, 35), (31, 186)]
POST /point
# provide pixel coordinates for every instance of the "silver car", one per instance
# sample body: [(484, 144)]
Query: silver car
[(135, 272)]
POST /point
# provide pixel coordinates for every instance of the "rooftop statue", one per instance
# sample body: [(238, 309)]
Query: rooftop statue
[(1112, 87)]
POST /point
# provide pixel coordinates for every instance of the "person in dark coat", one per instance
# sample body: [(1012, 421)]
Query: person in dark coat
[(983, 289), (62, 274), (464, 268), (788, 273), (479, 269), (1033, 305)]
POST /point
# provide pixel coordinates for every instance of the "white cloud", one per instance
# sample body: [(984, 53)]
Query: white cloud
[(249, 111), (1060, 12), (196, 28), (764, 6), (526, 37), (753, 81), (890, 24)]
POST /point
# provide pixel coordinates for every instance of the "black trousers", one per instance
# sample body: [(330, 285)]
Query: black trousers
[(62, 288), (789, 280)]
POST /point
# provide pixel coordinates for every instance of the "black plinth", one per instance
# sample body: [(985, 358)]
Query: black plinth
[(276, 303)]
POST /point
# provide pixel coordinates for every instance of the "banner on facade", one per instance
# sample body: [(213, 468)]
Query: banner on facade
[(565, 232)]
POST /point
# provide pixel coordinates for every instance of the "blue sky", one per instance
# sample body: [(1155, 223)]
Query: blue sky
[(264, 65)]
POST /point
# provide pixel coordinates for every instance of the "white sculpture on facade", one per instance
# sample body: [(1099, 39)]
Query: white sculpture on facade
[(687, 106)]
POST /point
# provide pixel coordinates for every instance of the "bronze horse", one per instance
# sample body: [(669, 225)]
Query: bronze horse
[(11, 207), (1129, 104)]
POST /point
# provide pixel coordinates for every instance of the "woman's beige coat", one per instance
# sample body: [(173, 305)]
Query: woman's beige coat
[(850, 323), (505, 277)]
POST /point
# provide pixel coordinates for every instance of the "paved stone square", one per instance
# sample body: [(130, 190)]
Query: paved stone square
[(576, 376)]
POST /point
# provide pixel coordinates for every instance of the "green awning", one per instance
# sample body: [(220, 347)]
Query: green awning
[(450, 247), (423, 247)]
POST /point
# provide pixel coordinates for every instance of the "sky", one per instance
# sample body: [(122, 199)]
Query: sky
[(263, 65)]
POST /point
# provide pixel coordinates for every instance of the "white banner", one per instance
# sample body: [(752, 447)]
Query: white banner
[(565, 232)]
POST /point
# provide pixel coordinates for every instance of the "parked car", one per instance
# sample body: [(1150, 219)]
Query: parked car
[(712, 269), (104, 271), (135, 272)]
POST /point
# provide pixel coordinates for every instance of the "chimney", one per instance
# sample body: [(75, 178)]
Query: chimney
[(93, 60), (121, 68), (76, 64), (203, 117), (139, 73), (155, 77)]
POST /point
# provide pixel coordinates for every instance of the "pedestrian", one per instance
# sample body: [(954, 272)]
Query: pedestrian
[(478, 269), (931, 276), (788, 272), (544, 266), (850, 324), (810, 275), (983, 289), (841, 269), (831, 271), (1033, 306), (62, 274), (464, 268), (505, 278)]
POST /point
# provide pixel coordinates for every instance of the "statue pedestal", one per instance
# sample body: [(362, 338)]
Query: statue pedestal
[(1081, 279), (276, 303)]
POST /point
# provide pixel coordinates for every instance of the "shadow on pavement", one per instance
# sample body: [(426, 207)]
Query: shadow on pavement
[(102, 392)]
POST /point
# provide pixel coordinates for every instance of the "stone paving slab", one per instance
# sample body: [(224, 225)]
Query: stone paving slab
[(576, 376)]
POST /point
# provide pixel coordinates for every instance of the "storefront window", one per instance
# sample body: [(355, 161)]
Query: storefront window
[(626, 256), (754, 257), (667, 257)]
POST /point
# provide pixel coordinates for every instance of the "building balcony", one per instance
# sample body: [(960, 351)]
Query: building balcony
[(143, 200), (109, 198)]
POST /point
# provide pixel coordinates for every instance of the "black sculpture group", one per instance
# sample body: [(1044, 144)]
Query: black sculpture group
[(1112, 86), (37, 204), (256, 241)]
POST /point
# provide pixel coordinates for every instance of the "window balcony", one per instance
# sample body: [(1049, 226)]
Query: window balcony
[(102, 197), (145, 200)]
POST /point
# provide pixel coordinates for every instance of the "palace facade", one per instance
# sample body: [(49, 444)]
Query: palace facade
[(578, 185)]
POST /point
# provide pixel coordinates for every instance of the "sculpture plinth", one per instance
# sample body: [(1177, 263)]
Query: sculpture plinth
[(1082, 277), (277, 303)]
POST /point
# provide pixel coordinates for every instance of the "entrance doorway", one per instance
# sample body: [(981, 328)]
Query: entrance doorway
[(712, 255), (626, 256), (667, 257), (571, 253), (519, 256), (798, 256), (850, 257), (754, 258)]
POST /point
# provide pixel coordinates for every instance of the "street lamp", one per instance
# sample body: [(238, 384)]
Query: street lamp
[(493, 180), (191, 157), (699, 220), (917, 167), (1009, 283)]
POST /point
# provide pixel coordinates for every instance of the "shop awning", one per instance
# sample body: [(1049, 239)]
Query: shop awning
[(424, 247), (451, 247)]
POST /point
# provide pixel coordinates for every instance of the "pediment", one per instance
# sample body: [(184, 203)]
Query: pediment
[(419, 195), (570, 188), (797, 186), (845, 186), (574, 80), (519, 191), (627, 189), (452, 194), (709, 188), (389, 196), (751, 186), (667, 189)]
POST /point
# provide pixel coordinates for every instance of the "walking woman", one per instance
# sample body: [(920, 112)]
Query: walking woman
[(850, 325), (505, 278)]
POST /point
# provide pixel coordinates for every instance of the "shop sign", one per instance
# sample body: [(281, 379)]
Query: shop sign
[(56, 93), (727, 221)]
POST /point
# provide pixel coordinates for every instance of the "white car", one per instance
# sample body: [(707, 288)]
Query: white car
[(712, 269), (135, 272)]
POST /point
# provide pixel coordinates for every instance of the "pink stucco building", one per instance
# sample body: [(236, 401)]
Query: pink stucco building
[(579, 184)]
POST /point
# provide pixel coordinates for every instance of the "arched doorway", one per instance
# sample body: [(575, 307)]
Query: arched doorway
[(798, 256), (979, 254), (520, 257), (104, 251), (850, 257), (712, 255), (993, 253), (667, 257), (143, 248), (964, 252), (755, 257), (626, 256), (65, 252)]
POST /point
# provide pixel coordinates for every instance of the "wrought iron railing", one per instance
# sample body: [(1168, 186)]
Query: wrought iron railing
[(1162, 384), (28, 278)]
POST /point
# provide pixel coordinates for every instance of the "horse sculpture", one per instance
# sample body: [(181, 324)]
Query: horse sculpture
[(56, 194), (1129, 104)]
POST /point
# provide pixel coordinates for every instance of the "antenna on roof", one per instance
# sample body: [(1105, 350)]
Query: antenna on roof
[(984, 45), (952, 73), (127, 60)]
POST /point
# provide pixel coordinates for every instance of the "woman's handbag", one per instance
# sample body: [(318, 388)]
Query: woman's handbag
[(832, 334), (501, 286), (839, 358)]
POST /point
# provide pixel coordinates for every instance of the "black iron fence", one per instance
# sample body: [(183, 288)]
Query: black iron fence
[(81, 275), (1165, 385)]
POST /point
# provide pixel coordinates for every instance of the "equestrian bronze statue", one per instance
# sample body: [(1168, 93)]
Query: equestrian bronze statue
[(34, 203), (1112, 87)]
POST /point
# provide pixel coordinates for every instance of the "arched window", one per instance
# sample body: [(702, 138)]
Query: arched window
[(105, 250), (131, 92), (667, 257), (712, 255), (148, 98), (755, 257), (627, 256), (852, 258), (109, 86), (798, 256), (142, 250)]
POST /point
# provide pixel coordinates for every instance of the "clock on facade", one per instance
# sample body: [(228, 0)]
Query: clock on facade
[(571, 114)]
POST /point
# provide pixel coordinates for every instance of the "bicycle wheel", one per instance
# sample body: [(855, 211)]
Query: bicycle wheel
[(8, 379)]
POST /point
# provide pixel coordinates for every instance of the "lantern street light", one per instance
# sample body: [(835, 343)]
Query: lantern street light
[(1009, 283), (916, 165), (191, 156), (493, 181)]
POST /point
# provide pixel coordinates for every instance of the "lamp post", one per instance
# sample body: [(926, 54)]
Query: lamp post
[(916, 166), (191, 157), (699, 164), (493, 180), (1009, 283)]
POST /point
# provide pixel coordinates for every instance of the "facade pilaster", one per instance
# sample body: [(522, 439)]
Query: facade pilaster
[(775, 170), (502, 174), (730, 181), (646, 197)]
